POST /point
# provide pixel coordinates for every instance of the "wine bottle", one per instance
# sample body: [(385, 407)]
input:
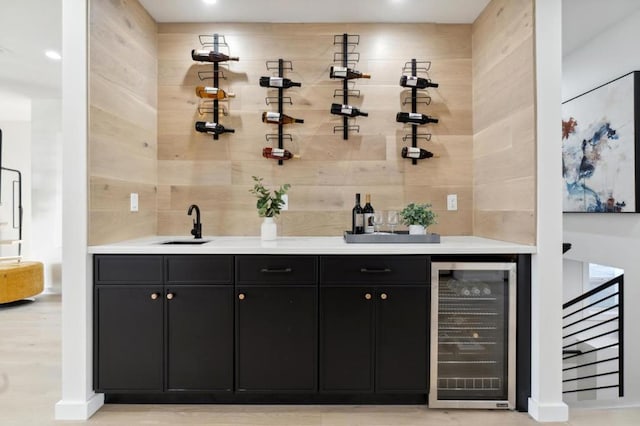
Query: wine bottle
[(368, 215), (278, 153), (213, 93), (278, 82), (211, 56), (346, 73), (415, 118), (277, 118), (411, 152), (417, 82), (212, 128), (357, 218), (347, 110)]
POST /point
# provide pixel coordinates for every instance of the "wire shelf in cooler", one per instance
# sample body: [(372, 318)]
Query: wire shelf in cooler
[(470, 383)]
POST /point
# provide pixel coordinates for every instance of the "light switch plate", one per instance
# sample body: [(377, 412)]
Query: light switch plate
[(452, 202), (134, 201)]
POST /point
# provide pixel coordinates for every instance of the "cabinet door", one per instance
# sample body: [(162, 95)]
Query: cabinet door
[(402, 339), (346, 339), (129, 338), (199, 337), (276, 340)]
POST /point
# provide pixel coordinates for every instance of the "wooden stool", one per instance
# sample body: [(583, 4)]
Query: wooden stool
[(20, 280)]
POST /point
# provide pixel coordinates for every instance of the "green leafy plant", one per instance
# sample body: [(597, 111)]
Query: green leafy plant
[(418, 214), (268, 204)]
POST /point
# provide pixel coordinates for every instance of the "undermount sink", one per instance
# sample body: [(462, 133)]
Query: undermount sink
[(186, 242)]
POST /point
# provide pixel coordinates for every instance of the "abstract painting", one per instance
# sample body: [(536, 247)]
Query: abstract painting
[(599, 148)]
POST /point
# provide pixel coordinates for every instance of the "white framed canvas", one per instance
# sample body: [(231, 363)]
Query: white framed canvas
[(599, 148)]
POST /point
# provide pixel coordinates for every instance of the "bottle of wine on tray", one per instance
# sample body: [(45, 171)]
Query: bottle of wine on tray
[(357, 218), (347, 110), (278, 82), (277, 118), (212, 128), (410, 152), (211, 56), (213, 93), (414, 118), (346, 73), (368, 212), (417, 82), (278, 153)]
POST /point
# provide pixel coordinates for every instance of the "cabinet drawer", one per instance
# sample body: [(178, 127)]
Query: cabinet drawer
[(123, 269), (276, 270), (199, 269), (374, 269)]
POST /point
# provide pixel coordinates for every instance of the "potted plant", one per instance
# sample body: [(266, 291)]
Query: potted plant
[(418, 217), (269, 206)]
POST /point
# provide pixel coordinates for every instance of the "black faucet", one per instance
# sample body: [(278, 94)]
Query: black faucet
[(197, 226)]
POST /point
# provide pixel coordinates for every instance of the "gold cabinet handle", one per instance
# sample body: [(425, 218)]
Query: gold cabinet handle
[(383, 296), (241, 296), (154, 296), (170, 296), (367, 296)]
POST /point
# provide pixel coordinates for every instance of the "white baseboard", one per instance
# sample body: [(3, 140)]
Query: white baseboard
[(79, 410), (558, 412)]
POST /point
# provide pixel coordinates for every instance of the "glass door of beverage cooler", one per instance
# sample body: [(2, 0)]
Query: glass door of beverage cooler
[(473, 335)]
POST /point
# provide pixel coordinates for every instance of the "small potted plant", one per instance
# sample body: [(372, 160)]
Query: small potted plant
[(418, 217), (269, 205)]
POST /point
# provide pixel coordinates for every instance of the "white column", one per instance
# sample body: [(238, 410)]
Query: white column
[(78, 401), (545, 404)]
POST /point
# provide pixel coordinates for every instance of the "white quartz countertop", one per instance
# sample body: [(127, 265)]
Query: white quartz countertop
[(308, 245)]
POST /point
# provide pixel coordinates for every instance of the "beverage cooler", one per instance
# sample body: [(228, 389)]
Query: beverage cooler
[(473, 335)]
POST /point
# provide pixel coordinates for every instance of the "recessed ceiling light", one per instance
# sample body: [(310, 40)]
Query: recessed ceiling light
[(52, 54)]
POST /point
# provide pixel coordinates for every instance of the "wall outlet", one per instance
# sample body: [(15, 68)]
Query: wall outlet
[(285, 199), (134, 202), (452, 202)]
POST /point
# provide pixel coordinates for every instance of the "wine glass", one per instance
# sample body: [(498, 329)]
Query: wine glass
[(378, 220), (392, 219)]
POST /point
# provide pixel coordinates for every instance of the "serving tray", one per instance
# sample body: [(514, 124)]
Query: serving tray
[(388, 238)]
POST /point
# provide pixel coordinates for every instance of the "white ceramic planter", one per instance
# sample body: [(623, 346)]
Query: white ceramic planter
[(417, 230), (268, 230)]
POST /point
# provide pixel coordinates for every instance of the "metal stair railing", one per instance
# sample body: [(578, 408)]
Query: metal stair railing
[(581, 327)]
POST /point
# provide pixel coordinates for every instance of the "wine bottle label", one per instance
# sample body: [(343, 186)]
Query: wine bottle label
[(339, 71), (273, 117), (210, 125), (277, 152), (368, 223), (415, 116), (275, 81), (359, 220), (412, 81), (211, 90), (413, 152), (202, 52), (346, 109)]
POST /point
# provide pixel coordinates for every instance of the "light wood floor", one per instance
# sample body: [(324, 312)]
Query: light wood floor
[(30, 387)]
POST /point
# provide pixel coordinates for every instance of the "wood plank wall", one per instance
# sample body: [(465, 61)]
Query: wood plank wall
[(216, 175), (122, 120), (504, 118)]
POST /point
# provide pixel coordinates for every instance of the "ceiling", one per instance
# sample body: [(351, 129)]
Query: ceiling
[(25, 35), (449, 11), (27, 29), (583, 20)]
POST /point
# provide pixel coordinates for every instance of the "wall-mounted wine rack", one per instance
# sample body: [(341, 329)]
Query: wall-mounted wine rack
[(346, 57), (279, 66), (213, 42), (414, 68)]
